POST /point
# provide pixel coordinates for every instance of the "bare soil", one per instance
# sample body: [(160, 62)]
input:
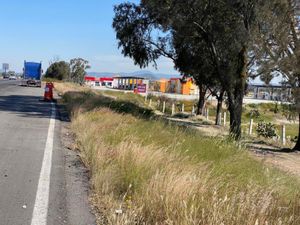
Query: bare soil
[(286, 161)]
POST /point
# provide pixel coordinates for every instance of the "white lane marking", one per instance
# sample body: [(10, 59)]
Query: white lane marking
[(40, 211)]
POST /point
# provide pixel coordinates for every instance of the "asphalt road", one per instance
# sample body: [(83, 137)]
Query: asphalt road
[(30, 151)]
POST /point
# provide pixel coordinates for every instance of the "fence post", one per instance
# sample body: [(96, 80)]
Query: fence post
[(182, 108), (283, 139), (251, 127), (203, 111), (150, 102), (225, 119), (158, 104), (173, 109), (207, 113), (164, 107), (193, 110), (220, 119)]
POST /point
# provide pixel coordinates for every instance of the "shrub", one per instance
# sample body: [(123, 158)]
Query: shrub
[(181, 115), (266, 130), (254, 113), (294, 139), (58, 70), (290, 112)]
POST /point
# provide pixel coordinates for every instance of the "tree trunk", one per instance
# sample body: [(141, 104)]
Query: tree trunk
[(236, 96), (297, 146), (235, 109), (219, 108), (201, 102)]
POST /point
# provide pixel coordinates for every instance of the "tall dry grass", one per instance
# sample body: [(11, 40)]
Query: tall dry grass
[(145, 171)]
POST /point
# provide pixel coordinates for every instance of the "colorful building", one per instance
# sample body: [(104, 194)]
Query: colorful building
[(128, 83), (163, 86), (178, 86), (189, 87), (98, 81)]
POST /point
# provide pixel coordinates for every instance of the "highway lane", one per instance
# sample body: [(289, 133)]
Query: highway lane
[(24, 130)]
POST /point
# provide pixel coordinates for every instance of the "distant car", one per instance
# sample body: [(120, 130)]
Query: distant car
[(13, 77)]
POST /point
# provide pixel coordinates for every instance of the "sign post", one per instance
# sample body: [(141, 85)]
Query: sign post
[(283, 139), (5, 67), (142, 88)]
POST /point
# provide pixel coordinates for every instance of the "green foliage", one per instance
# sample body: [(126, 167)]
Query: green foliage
[(78, 67), (266, 130), (254, 113), (278, 47), (289, 111), (58, 70), (207, 40), (294, 139)]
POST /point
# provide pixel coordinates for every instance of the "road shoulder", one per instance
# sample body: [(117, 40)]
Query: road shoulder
[(79, 209)]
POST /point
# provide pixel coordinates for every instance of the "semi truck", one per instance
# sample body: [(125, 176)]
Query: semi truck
[(32, 73)]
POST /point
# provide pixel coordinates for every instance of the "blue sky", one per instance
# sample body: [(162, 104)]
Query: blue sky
[(41, 30)]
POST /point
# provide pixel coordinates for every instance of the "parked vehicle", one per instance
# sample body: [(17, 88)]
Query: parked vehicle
[(5, 76), (32, 73), (13, 77)]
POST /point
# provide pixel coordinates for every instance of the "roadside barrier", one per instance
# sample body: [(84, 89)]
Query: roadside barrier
[(48, 95)]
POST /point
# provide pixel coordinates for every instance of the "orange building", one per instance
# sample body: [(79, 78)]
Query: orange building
[(189, 87), (163, 85), (178, 86)]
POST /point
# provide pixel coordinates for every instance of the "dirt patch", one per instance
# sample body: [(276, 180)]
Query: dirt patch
[(206, 129), (288, 162)]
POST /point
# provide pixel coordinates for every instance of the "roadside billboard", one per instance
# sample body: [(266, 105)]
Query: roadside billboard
[(142, 88), (5, 66)]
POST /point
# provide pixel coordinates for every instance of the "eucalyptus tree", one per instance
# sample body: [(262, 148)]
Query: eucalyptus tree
[(279, 47), (78, 67), (196, 63), (223, 30)]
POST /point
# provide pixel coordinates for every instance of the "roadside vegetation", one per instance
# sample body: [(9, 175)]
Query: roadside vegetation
[(73, 71), (276, 114), (147, 171), (221, 45)]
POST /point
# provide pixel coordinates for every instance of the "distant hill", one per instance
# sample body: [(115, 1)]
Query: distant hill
[(143, 73)]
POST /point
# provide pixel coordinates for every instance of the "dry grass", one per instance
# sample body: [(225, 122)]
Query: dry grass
[(63, 88), (145, 171)]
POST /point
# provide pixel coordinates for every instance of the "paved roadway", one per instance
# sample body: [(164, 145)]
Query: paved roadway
[(24, 137)]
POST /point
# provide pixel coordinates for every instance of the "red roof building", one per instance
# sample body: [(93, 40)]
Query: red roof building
[(87, 78), (104, 79), (98, 81)]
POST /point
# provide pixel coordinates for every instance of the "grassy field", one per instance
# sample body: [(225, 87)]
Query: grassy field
[(267, 112), (146, 171)]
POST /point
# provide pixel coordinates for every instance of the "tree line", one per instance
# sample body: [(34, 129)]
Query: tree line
[(73, 71), (220, 43)]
